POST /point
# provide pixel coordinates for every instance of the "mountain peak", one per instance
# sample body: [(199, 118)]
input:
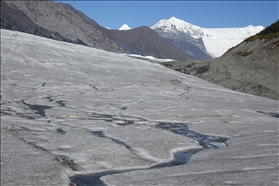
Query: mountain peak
[(173, 18), (176, 25), (124, 27), (177, 21)]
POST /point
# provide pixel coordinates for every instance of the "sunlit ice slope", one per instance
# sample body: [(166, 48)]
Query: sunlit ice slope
[(59, 100)]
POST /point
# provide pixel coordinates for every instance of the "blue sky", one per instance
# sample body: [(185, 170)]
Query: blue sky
[(206, 14)]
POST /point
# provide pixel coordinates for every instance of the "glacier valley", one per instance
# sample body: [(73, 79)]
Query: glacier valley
[(69, 111)]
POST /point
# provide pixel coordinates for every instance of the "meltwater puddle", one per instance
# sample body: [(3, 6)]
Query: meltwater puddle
[(180, 158), (206, 141)]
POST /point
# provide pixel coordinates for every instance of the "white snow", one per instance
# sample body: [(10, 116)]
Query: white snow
[(216, 40), (151, 58), (124, 99), (124, 27)]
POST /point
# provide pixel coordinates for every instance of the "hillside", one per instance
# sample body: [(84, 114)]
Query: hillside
[(15, 19), (145, 41), (59, 18), (250, 67)]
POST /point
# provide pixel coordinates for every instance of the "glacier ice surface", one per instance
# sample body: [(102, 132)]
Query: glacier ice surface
[(56, 96)]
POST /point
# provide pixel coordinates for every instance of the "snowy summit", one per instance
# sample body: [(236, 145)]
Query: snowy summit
[(173, 25), (124, 27)]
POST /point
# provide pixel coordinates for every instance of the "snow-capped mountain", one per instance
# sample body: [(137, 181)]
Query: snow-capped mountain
[(124, 27), (216, 40), (174, 25), (185, 36)]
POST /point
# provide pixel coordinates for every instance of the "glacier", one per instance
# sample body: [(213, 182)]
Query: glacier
[(219, 40), (58, 100)]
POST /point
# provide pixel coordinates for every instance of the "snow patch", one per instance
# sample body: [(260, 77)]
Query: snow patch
[(151, 58)]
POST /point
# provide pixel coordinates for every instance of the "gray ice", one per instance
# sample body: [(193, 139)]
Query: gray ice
[(69, 110)]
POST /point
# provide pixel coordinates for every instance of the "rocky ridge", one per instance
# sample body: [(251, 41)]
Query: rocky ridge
[(68, 22), (15, 19)]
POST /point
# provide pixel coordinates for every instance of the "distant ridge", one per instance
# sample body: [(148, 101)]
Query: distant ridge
[(145, 41)]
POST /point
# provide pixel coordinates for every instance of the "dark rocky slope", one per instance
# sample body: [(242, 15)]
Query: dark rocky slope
[(65, 20), (145, 41), (250, 67), (193, 47), (13, 18)]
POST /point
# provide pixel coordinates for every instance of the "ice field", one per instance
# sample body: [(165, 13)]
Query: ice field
[(70, 112)]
